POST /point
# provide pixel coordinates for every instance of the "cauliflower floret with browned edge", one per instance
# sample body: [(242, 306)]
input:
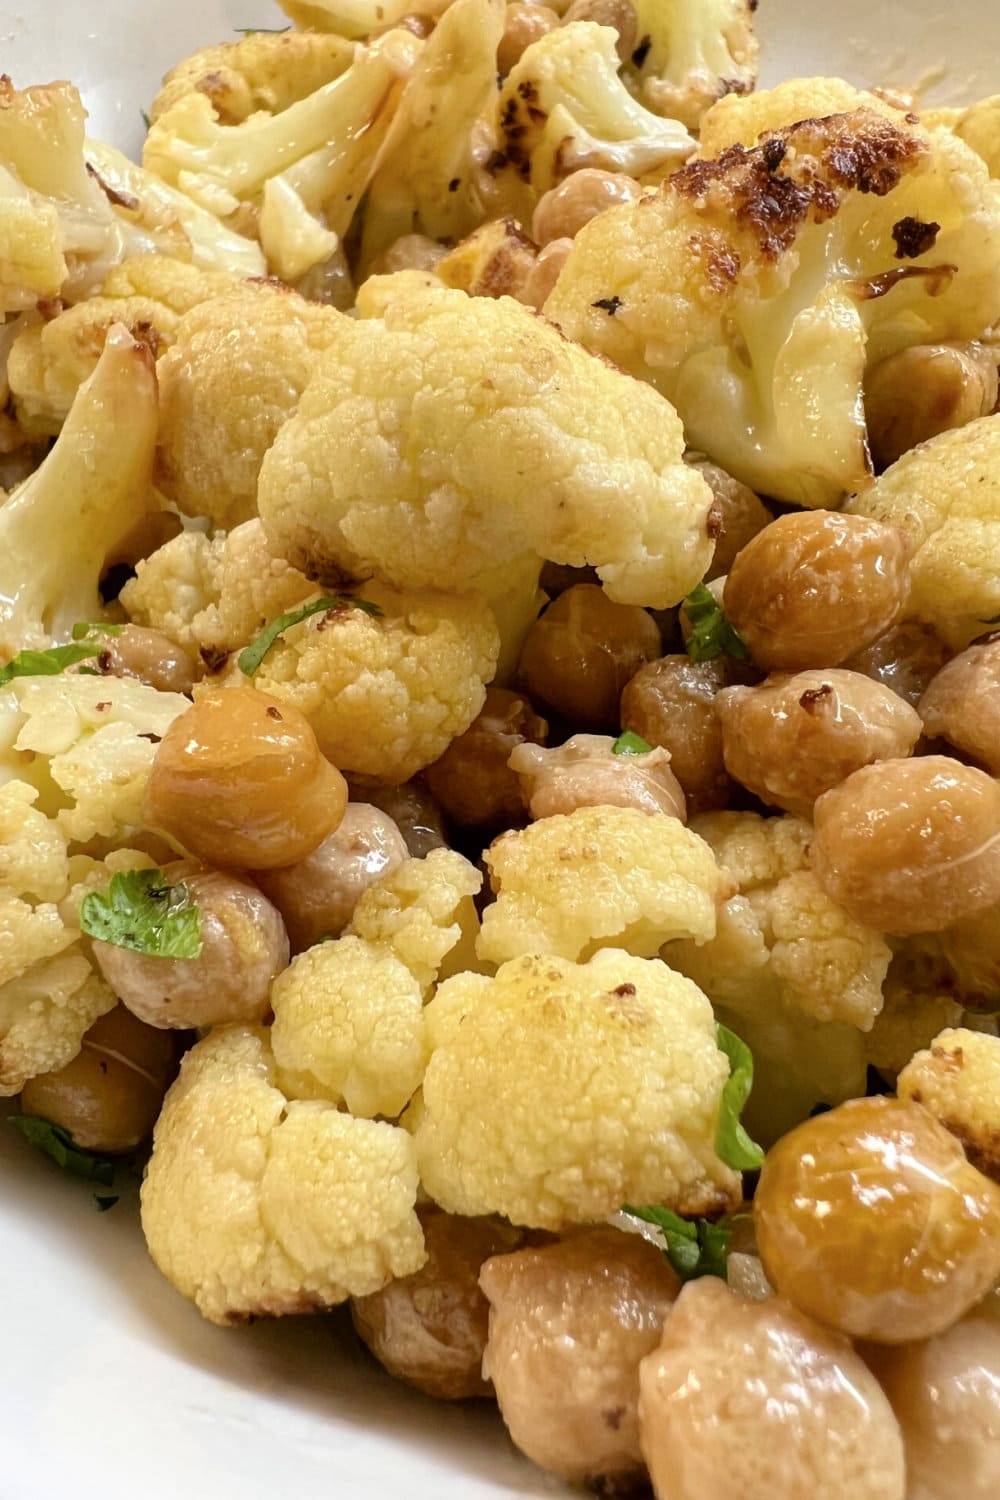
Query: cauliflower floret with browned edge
[(424, 913), (255, 1204), (742, 119), (958, 1079), (459, 432), (386, 694), (556, 1092), (264, 70), (229, 381), (599, 877), (349, 1027)]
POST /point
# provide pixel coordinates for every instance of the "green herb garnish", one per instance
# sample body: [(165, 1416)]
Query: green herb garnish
[(45, 663), (251, 657), (142, 912), (711, 633), (630, 743), (145, 119), (84, 630), (64, 1151), (694, 1247), (732, 1143)]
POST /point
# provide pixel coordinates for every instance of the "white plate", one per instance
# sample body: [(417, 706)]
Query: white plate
[(113, 1388)]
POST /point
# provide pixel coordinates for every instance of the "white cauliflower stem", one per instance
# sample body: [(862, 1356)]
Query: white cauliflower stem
[(690, 52)]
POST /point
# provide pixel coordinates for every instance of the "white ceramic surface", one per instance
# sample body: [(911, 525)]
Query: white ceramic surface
[(112, 1387)]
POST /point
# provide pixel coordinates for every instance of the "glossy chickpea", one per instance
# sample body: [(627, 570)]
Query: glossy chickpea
[(620, 15), (147, 655), (430, 1328), (562, 212), (523, 24), (244, 945), (569, 1324), (736, 517), (578, 655), (240, 781), (411, 252), (317, 897), (671, 703), (410, 806), (871, 1219), (962, 704), (109, 1096), (946, 1395), (910, 845), (749, 1399), (814, 587), (905, 659), (538, 283), (585, 772), (472, 781), (926, 389), (793, 738)]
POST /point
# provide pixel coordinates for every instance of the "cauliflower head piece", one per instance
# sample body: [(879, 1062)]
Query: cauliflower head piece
[(918, 1001), (958, 1079), (978, 126), (256, 1204), (556, 1092), (599, 877), (689, 53), (743, 119), (357, 18), (945, 495), (754, 289), (349, 1027), (264, 70), (458, 433), (424, 913)]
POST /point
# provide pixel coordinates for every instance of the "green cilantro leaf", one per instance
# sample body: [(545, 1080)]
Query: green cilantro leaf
[(64, 1151), (250, 658), (85, 629), (732, 1144), (144, 913), (45, 663), (711, 633), (630, 743), (694, 1247), (145, 118)]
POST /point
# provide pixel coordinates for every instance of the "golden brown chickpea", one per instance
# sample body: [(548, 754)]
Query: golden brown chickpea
[(814, 587), (523, 24), (244, 945), (429, 1329), (924, 390), (585, 772), (317, 897), (904, 659), (618, 14), (410, 806), (736, 517), (744, 1400), (962, 704), (411, 252), (910, 845), (569, 1323), (109, 1096), (147, 655), (538, 283), (946, 1396), (471, 781), (578, 655), (870, 1219), (239, 780), (671, 702), (793, 738), (562, 212)]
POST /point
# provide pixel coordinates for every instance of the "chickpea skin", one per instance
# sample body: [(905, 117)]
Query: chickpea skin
[(562, 212), (429, 1329), (410, 806), (870, 1219), (749, 1400), (109, 1096), (244, 945), (924, 390), (815, 586), (910, 846), (962, 704), (793, 738), (736, 517), (149, 656), (471, 781), (317, 897), (536, 287), (585, 772), (240, 781), (905, 659), (569, 1324), (620, 15), (523, 24), (671, 703)]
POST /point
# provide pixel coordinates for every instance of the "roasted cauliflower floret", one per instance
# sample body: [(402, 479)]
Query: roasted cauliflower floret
[(918, 1001), (754, 289), (424, 913), (349, 1027), (690, 52), (742, 119), (387, 694), (230, 380), (265, 70), (357, 18), (33, 857), (978, 126), (958, 1079), (254, 1204), (460, 432), (945, 495), (599, 877), (556, 1092)]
